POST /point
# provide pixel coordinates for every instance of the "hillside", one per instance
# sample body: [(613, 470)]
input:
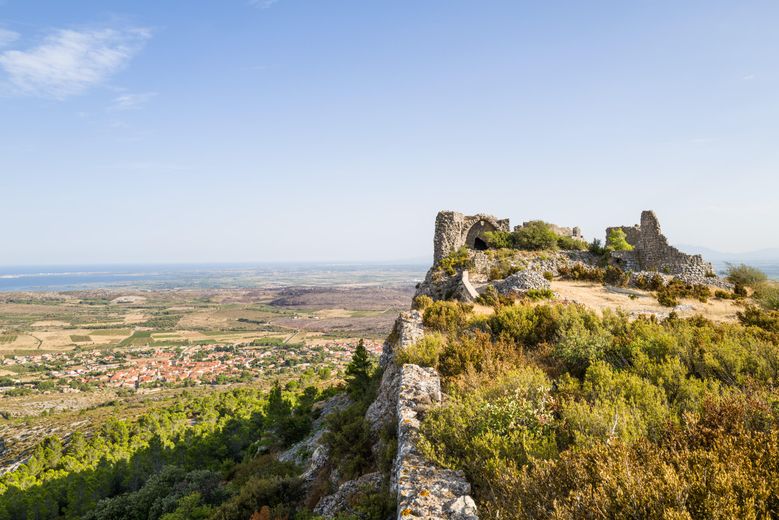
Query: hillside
[(536, 376)]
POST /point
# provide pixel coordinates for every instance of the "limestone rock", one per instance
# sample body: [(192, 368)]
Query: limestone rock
[(424, 490), (342, 500)]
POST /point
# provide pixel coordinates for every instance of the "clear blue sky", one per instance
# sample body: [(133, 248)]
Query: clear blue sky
[(236, 130)]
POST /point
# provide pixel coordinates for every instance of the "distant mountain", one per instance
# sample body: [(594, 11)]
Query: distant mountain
[(765, 259), (770, 255)]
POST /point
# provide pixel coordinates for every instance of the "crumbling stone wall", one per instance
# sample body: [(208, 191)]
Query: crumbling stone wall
[(653, 253), (454, 230), (424, 490)]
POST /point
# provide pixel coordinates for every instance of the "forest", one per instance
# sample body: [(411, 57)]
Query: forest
[(199, 457)]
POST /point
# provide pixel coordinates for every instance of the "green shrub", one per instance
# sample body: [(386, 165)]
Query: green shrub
[(506, 423), (596, 248), (724, 295), (455, 261), (492, 298), (424, 352), (571, 244), (617, 241), (421, 302), (674, 290), (499, 239), (580, 271), (745, 275), (667, 298), (503, 270), (650, 283), (539, 294), (535, 236), (615, 276), (757, 317), (549, 275), (445, 316), (767, 295)]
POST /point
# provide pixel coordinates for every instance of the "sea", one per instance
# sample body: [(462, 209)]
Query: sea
[(225, 276), (205, 276)]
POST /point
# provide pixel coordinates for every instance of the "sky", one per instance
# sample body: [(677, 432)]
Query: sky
[(196, 131)]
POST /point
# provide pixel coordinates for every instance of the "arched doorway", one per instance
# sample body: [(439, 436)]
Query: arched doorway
[(476, 239)]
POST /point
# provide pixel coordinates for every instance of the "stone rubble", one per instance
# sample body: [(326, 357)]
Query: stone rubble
[(522, 282)]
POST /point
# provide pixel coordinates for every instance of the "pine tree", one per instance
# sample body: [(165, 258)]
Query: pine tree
[(278, 407), (359, 371)]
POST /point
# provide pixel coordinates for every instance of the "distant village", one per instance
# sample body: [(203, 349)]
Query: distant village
[(147, 367)]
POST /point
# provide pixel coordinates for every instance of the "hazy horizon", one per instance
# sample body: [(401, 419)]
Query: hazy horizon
[(294, 130)]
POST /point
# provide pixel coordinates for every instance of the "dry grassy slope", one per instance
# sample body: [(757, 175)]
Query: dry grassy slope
[(599, 297)]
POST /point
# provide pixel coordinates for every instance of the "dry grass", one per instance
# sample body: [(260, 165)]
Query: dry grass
[(598, 297)]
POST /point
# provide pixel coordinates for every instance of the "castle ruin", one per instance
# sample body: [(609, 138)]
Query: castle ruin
[(454, 230), (651, 251)]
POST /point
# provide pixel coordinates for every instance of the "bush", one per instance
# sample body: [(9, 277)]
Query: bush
[(667, 298), (724, 295), (615, 276), (745, 275), (571, 244), (580, 271), (596, 248), (767, 295), (653, 283), (617, 241), (676, 289), (446, 316), (502, 270), (548, 275), (535, 236), (424, 352), (455, 261), (757, 317), (499, 239), (492, 298), (539, 294), (421, 302)]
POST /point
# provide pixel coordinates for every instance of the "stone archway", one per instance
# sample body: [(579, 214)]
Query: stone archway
[(476, 239)]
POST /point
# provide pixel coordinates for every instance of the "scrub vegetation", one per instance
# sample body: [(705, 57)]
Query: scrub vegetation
[(556, 411)]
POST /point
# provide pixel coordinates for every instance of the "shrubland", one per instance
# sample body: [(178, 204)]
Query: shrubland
[(555, 411)]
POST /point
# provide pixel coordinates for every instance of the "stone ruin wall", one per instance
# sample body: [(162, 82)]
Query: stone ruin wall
[(454, 230), (423, 489), (653, 253)]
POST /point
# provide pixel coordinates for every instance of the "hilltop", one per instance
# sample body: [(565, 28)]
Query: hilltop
[(536, 375)]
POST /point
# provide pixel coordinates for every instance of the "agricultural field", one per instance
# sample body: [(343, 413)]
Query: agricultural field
[(68, 359)]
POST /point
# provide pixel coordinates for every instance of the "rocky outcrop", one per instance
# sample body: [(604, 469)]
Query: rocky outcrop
[(424, 490), (342, 500), (311, 453), (522, 282), (407, 331)]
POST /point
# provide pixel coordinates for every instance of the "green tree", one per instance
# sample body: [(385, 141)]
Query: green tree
[(278, 407), (617, 241), (535, 236), (359, 372)]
